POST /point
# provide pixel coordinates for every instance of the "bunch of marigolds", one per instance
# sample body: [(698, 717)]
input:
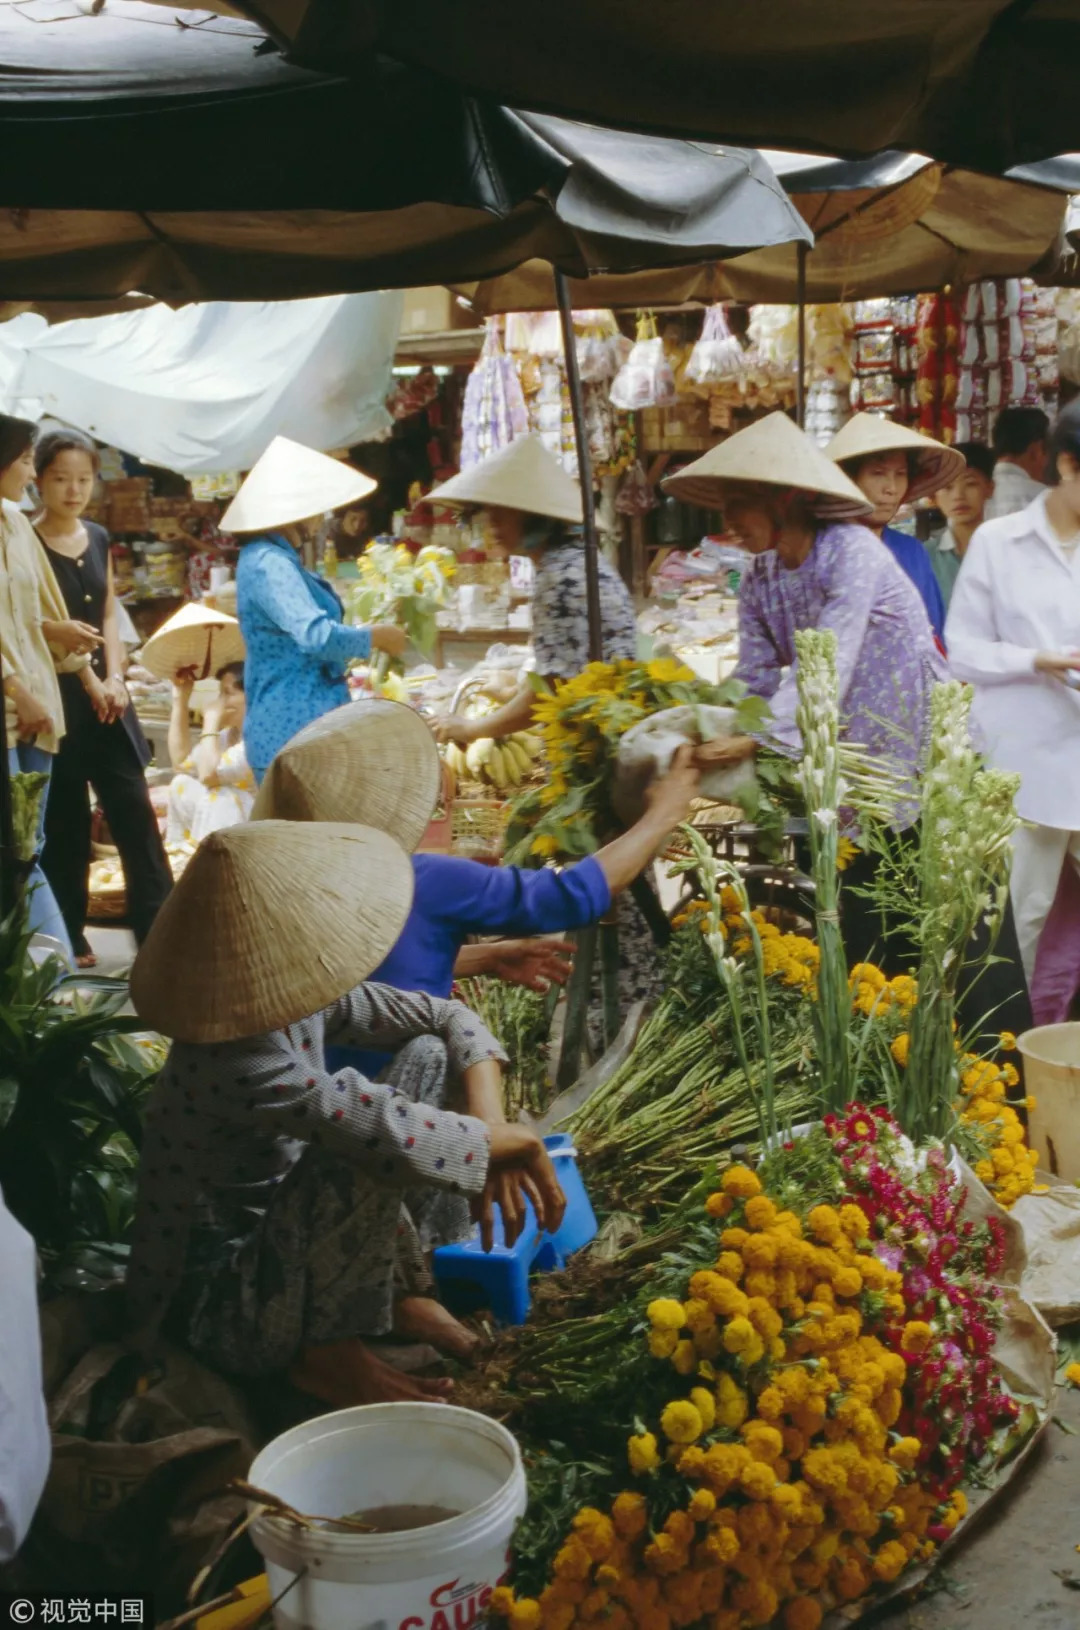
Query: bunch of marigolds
[(775, 1484)]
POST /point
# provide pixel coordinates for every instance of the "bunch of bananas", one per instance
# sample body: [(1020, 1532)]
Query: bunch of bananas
[(503, 764)]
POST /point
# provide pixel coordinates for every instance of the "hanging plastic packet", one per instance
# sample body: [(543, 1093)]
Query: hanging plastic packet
[(635, 495), (717, 357), (645, 379), (494, 411)]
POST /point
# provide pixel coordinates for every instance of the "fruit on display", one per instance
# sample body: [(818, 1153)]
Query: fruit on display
[(504, 764)]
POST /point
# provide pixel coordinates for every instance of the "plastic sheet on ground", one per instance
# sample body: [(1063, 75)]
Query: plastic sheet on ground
[(1051, 1227)]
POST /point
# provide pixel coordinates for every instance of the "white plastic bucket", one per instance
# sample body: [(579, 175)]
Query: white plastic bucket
[(435, 1578), (1051, 1057)]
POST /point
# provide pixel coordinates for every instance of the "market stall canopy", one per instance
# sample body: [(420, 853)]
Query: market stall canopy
[(984, 83), (204, 389), (893, 224), (410, 183)]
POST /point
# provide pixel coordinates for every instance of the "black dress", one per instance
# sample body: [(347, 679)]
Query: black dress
[(110, 758)]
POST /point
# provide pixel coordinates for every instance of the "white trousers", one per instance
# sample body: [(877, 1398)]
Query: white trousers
[(1039, 853)]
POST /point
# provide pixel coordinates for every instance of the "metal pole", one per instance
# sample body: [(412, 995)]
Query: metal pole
[(802, 250), (577, 406)]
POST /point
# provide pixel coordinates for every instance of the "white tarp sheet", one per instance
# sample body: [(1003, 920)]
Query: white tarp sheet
[(206, 388)]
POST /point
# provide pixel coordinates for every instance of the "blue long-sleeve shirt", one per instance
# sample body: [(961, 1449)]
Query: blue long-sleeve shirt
[(455, 898), (298, 647), (912, 558)]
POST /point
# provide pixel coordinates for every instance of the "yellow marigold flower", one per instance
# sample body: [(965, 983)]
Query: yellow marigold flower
[(917, 1336), (722, 1546), (824, 1223), (853, 1222), (685, 1358), (502, 1601), (681, 1422), (732, 1412), (761, 1251), (644, 1454), (525, 1614), (1007, 1041), (719, 1205), (770, 1404), (1031, 1102), (702, 1505), (662, 1343), (573, 1561), (629, 1513), (704, 1402), (764, 1442), (757, 1480), (732, 1239), (866, 973), (890, 1562), (759, 1211), (739, 1334), (900, 1048), (699, 1315), (666, 1314), (1011, 1075), (740, 1182), (729, 1265), (847, 1282), (803, 1612), (1072, 1375), (596, 1531)]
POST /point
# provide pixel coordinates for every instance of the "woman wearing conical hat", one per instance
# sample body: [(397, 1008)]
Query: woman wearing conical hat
[(817, 565), (535, 509), (285, 1208), (892, 466), (298, 646)]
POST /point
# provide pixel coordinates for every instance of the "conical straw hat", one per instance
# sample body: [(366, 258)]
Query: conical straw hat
[(935, 464), (523, 476), (196, 638), (773, 451), (293, 483), (270, 922), (374, 763)]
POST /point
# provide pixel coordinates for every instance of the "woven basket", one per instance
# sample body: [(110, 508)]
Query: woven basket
[(478, 827), (106, 907)]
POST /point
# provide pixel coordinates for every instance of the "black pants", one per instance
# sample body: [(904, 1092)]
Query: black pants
[(105, 759), (996, 1000)]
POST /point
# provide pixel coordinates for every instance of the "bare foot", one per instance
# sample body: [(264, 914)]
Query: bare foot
[(424, 1319), (346, 1373), (86, 959)]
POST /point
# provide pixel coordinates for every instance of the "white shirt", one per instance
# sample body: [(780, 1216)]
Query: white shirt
[(1019, 594), (1013, 490), (24, 1426)]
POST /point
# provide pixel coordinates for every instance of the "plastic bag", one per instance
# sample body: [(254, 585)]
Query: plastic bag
[(717, 356), (645, 379), (494, 411), (647, 749), (635, 496)]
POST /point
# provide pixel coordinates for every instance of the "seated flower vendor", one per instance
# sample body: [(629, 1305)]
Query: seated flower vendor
[(891, 466), (284, 1210), (376, 763)]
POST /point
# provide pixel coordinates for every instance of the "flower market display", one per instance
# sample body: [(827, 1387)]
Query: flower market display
[(769, 1392)]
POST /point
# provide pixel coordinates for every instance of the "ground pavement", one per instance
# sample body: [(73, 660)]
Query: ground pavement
[(1006, 1576)]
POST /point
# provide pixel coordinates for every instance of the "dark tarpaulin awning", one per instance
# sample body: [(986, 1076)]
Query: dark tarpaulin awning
[(183, 159), (983, 83)]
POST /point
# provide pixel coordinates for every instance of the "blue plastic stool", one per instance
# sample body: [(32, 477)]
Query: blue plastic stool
[(499, 1278)]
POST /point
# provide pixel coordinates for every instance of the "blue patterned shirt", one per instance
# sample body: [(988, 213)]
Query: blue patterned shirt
[(298, 647)]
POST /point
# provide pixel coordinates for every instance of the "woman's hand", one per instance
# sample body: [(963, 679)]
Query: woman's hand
[(77, 638), (1058, 664), (724, 752), (389, 638), (99, 699), (116, 694), (519, 1167), (535, 964), (184, 683), (670, 797), (31, 718), (456, 727)]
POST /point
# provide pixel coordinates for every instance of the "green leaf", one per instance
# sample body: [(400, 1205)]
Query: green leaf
[(9, 1097)]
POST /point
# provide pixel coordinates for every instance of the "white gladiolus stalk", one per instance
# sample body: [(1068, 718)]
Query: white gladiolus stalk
[(818, 719), (743, 982)]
